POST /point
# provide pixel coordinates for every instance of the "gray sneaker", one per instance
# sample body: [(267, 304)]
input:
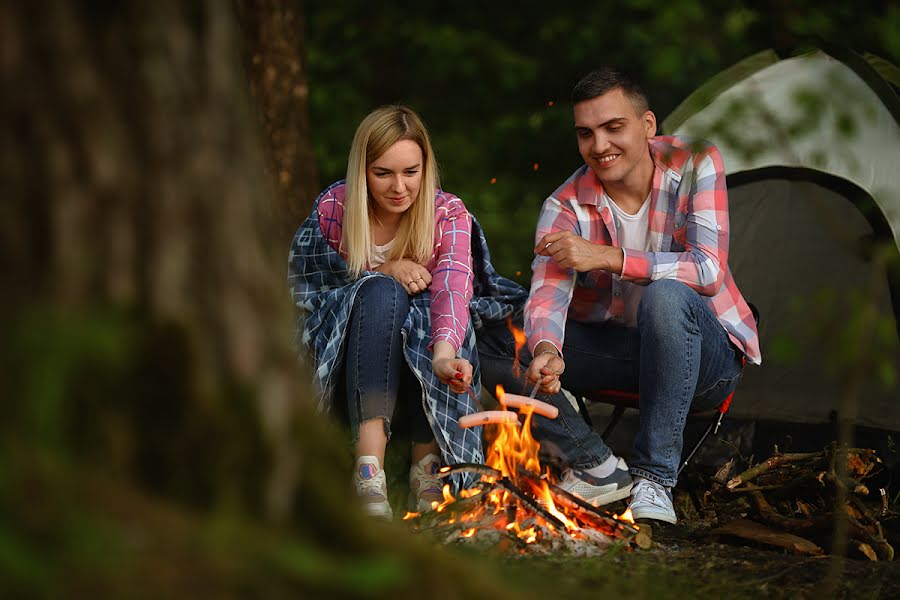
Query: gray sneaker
[(598, 490), (652, 501), (371, 487)]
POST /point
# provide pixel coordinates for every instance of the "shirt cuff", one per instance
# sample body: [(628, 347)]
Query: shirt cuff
[(554, 343)]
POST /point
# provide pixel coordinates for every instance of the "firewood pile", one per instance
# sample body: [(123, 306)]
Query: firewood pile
[(525, 514), (790, 500)]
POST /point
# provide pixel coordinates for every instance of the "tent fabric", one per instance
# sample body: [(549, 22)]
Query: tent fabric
[(792, 134), (776, 218), (812, 111)]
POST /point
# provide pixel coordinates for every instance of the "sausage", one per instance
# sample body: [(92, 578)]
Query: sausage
[(541, 408), (488, 417)]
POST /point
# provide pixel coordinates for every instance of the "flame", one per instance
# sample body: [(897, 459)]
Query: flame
[(514, 447), (546, 499), (410, 515), (513, 452), (519, 339)]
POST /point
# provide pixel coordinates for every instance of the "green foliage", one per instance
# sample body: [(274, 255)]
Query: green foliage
[(483, 77)]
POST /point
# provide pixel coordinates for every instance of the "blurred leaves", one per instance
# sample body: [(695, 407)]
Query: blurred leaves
[(481, 76)]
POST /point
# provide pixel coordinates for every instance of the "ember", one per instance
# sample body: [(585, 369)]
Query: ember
[(516, 503)]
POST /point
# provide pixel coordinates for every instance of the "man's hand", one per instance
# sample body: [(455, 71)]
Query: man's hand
[(446, 366), (412, 276), (572, 251), (546, 367)]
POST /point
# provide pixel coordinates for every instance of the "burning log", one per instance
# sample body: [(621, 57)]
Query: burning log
[(515, 507), (534, 506)]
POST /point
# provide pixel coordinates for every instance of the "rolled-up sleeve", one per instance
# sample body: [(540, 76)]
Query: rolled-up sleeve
[(551, 285)]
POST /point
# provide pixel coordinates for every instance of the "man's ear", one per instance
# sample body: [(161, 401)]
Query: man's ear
[(650, 123)]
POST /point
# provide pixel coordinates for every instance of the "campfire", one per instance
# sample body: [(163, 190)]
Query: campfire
[(516, 503)]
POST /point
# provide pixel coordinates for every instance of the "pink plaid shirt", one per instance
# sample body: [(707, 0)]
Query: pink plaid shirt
[(688, 233), (450, 265)]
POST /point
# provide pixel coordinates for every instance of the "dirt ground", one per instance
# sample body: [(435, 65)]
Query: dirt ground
[(769, 571), (688, 561)]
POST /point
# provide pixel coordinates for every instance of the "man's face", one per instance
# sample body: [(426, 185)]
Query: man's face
[(612, 137)]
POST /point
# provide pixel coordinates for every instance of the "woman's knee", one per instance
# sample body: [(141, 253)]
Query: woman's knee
[(384, 295)]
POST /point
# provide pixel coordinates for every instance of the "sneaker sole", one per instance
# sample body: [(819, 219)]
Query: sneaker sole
[(379, 510), (652, 515)]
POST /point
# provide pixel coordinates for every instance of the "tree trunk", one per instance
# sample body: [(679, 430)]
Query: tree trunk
[(273, 58), (137, 184)]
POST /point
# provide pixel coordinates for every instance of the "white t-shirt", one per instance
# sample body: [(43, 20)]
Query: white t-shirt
[(633, 232), (380, 254)]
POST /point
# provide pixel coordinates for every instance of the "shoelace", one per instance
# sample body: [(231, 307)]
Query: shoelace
[(649, 493), (428, 481), (370, 487)]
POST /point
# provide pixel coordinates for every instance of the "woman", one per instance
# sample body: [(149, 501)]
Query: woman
[(383, 271)]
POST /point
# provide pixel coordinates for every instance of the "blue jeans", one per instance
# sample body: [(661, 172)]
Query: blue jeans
[(375, 369), (679, 358)]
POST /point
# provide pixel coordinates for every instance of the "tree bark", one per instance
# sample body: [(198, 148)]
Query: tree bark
[(272, 32), (138, 186)]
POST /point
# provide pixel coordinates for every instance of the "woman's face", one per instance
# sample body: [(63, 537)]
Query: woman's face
[(394, 178)]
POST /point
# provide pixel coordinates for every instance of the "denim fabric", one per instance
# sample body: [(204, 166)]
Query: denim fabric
[(679, 358), (375, 368)]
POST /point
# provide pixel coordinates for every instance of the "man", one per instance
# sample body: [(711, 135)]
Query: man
[(631, 291)]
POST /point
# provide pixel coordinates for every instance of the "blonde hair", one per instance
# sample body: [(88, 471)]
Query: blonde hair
[(381, 129)]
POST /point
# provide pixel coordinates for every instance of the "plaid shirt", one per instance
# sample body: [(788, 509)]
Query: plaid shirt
[(450, 265), (688, 234)]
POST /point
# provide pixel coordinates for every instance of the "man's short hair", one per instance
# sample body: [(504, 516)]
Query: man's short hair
[(606, 79)]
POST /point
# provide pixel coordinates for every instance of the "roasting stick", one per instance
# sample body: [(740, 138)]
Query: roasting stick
[(475, 399)]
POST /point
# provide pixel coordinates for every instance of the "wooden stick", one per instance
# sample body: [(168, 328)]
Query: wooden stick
[(769, 464), (476, 468), (537, 508), (604, 514)]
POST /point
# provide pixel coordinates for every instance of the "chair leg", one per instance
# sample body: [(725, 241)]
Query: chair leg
[(617, 413), (713, 429)]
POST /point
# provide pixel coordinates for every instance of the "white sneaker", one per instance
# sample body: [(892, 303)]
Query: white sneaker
[(424, 484), (652, 501), (371, 487), (598, 490)]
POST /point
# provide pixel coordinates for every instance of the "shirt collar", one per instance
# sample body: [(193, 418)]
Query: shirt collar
[(665, 158)]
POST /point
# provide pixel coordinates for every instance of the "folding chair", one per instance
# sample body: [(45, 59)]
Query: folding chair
[(622, 400)]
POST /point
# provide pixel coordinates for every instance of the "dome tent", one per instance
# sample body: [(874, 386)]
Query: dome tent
[(811, 146)]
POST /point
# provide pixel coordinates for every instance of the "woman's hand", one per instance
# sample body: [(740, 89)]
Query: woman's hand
[(546, 367), (411, 275), (455, 372)]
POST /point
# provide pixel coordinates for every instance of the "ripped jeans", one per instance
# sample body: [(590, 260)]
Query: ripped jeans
[(679, 358), (375, 369)]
